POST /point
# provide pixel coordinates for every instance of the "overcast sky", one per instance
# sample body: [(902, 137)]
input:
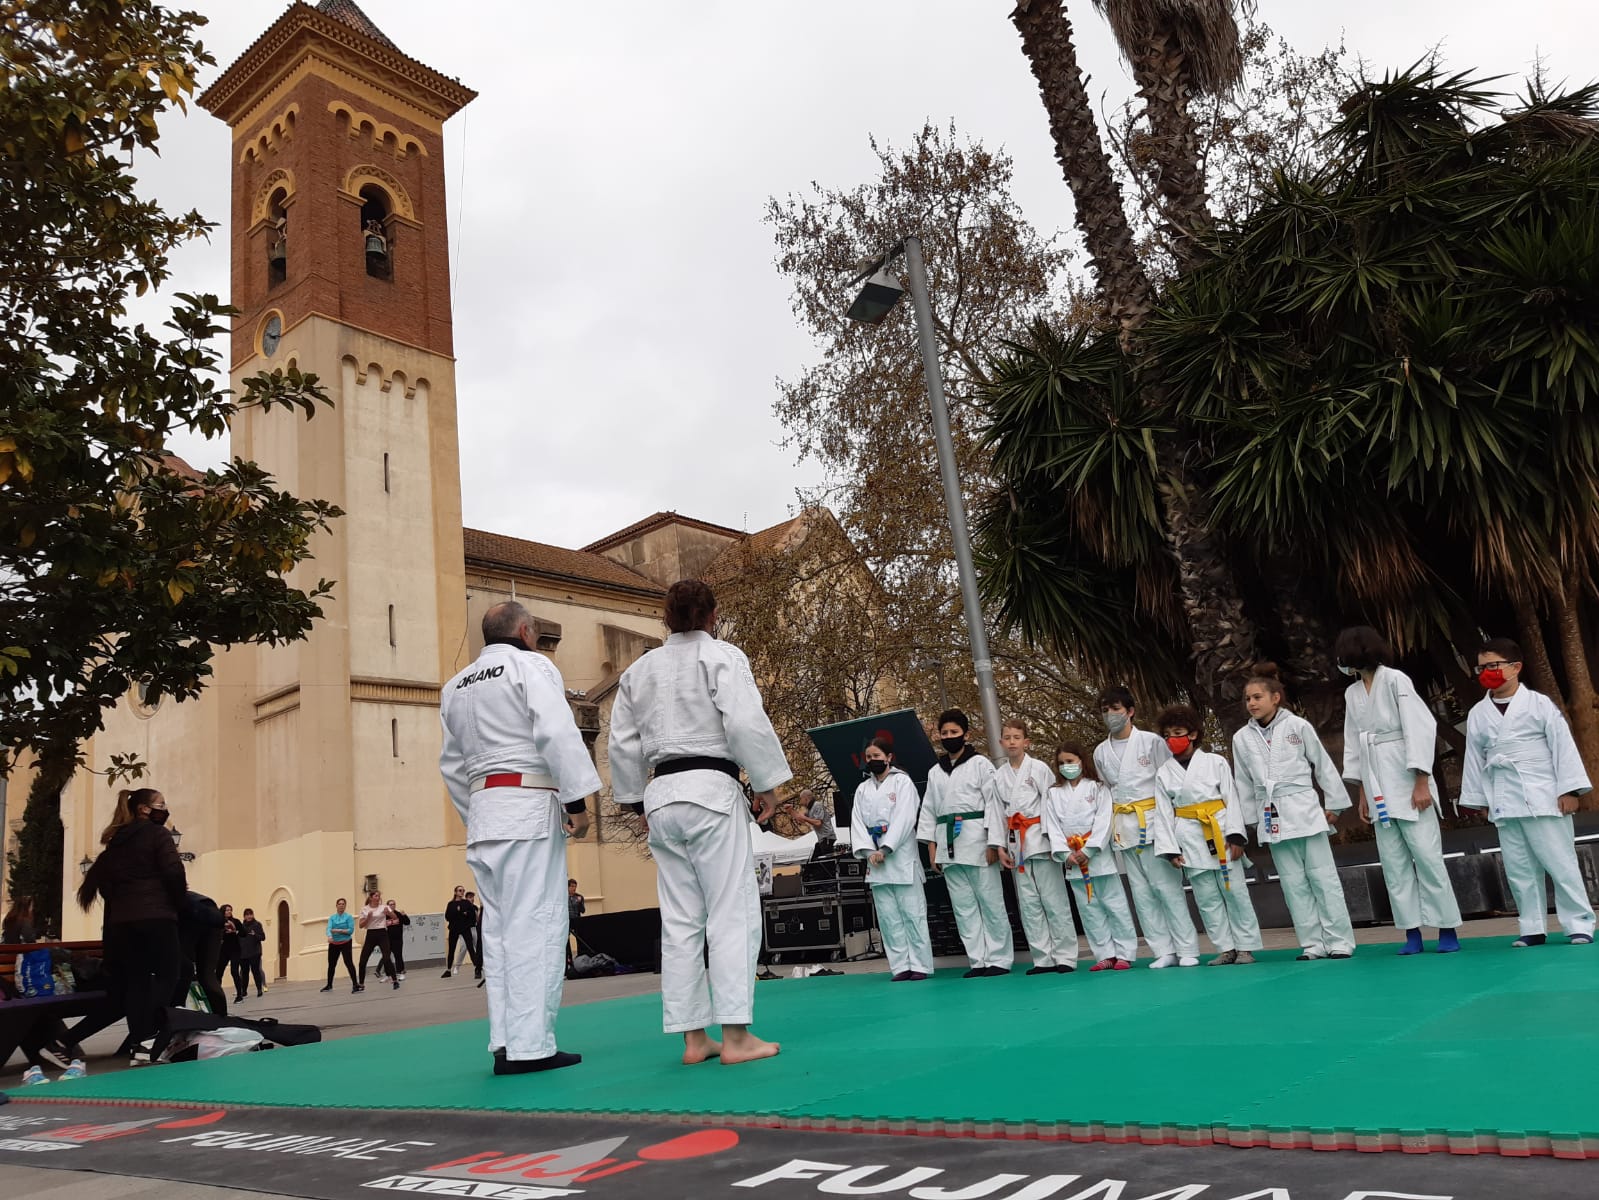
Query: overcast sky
[(606, 191)]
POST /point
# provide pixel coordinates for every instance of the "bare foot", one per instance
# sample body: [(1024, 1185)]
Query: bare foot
[(698, 1046), (746, 1047)]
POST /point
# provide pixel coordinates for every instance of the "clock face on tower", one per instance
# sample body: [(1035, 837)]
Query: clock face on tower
[(271, 335)]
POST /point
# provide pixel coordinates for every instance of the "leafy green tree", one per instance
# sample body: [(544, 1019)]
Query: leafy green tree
[(116, 568)]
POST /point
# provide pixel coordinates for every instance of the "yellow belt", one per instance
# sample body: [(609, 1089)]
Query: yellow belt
[(1138, 808), (1209, 815)]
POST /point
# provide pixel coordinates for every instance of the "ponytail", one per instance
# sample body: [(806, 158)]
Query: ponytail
[(128, 802)]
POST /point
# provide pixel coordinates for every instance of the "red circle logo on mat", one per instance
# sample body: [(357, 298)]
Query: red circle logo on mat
[(691, 1145)]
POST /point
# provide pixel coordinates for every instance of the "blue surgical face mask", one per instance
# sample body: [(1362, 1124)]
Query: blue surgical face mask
[(1070, 770)]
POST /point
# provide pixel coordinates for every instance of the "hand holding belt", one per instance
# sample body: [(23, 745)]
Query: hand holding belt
[(1138, 808), (1208, 813), (878, 832), (951, 823), (1018, 825), (1077, 843)]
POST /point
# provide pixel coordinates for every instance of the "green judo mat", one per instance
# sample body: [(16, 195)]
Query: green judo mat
[(1491, 1048)]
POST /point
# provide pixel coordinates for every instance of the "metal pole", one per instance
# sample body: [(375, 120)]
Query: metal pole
[(953, 501)]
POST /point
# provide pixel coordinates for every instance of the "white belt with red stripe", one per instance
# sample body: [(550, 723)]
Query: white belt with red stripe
[(511, 779)]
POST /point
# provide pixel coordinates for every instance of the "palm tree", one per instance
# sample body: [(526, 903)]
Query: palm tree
[(1178, 50)]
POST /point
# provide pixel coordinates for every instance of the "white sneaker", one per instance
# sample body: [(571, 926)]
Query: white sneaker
[(401, 976), (1165, 960), (455, 971), (1188, 960)]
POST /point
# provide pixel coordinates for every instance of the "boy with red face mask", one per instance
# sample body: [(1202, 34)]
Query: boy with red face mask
[(1522, 766), (1203, 833)]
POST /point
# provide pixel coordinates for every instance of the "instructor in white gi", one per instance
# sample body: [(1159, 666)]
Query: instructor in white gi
[(690, 710), (513, 759)]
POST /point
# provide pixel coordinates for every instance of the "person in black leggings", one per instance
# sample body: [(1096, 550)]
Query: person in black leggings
[(374, 923)]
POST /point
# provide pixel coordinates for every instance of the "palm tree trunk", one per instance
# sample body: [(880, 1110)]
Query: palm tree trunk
[(1047, 41), (1583, 707), (1540, 671)]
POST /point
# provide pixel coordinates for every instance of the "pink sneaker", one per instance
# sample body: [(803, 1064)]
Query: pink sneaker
[(1122, 965), (1105, 964)]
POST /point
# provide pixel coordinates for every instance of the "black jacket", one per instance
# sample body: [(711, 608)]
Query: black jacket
[(251, 937), (139, 875), (460, 915)]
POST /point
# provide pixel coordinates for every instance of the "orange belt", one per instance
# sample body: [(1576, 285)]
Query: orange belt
[(1018, 826)]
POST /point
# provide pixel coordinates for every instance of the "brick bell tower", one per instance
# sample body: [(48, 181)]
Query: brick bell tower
[(340, 267)]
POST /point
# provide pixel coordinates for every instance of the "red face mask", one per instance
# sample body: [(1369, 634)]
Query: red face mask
[(1179, 745), (1491, 678)]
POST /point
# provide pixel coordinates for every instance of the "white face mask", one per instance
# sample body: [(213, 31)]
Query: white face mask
[(1115, 722), (1345, 670), (1070, 770)]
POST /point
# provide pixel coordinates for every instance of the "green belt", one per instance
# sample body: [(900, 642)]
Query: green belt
[(948, 822)]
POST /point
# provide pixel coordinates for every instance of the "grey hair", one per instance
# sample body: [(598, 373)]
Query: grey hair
[(505, 620)]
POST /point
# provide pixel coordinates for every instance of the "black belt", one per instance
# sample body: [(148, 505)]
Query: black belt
[(698, 762)]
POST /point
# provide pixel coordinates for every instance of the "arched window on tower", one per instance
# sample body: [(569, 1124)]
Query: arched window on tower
[(376, 232), (277, 239)]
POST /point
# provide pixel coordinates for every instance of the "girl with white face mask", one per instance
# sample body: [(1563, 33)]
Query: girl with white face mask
[(883, 832), (1389, 736), (1077, 819)]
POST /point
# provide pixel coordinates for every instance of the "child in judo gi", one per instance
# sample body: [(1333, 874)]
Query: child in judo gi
[(963, 831), (1077, 816), (883, 832), (1205, 826), (1522, 766), (1279, 761), (1127, 761), (1018, 787)]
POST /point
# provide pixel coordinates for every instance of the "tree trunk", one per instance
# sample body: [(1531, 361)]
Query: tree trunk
[(1159, 71), (34, 868), (1539, 670), (1047, 41), (1583, 707)]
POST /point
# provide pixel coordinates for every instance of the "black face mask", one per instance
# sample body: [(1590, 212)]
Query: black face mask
[(952, 746), (158, 816), (876, 765)]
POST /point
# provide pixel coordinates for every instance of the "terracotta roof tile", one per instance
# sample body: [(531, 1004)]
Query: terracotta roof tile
[(656, 521), (175, 465), (731, 561), (350, 13), (502, 550)]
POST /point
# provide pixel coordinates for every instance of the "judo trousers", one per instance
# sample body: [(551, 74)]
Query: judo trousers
[(1229, 915), (1162, 907), (1412, 855), (902, 920), (523, 888), (1046, 912), (1533, 847), (1314, 895), (1107, 920), (979, 903), (705, 876)]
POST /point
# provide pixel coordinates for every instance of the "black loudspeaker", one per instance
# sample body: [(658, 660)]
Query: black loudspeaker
[(843, 808), (858, 914), (804, 924)]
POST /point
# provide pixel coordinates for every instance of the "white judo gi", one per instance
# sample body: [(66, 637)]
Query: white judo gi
[(1200, 811), (1275, 767), (507, 724), (1389, 735), (958, 810), (1046, 910), (695, 697), (884, 819), (1082, 809), (1518, 765), (1127, 766)]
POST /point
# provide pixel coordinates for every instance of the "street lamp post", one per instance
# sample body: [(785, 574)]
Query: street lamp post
[(876, 300)]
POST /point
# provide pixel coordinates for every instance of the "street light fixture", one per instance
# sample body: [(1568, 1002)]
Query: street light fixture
[(84, 864), (177, 841), (881, 291)]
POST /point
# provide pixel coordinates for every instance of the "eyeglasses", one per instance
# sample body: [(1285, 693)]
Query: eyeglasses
[(1496, 666)]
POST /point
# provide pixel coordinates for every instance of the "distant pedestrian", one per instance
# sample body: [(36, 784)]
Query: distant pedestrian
[(228, 955), (460, 922), (341, 931), (396, 923), (477, 936), (251, 938), (374, 922)]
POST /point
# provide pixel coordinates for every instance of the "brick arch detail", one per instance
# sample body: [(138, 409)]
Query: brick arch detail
[(280, 178), (365, 173)]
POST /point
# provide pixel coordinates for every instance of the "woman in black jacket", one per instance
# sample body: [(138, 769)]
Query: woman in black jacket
[(141, 880)]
